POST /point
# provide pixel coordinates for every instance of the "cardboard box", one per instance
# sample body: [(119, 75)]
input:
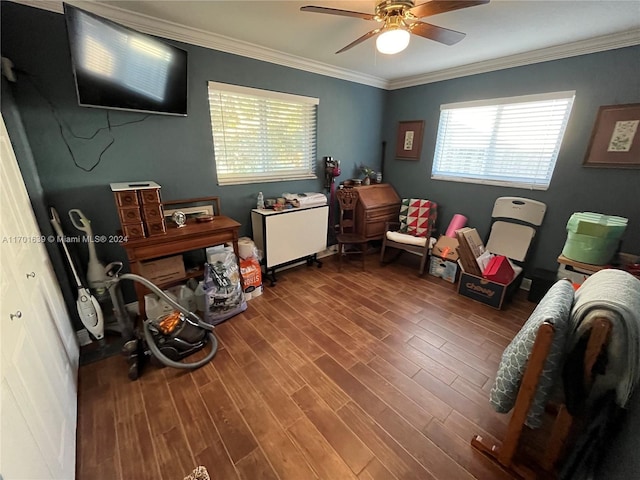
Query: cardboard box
[(473, 240), (446, 248), (164, 270), (439, 267), (482, 290), (469, 249)]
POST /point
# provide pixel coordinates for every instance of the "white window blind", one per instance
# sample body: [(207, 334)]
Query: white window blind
[(506, 141), (262, 136)]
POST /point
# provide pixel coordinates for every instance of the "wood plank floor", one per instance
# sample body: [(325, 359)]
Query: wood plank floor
[(369, 375)]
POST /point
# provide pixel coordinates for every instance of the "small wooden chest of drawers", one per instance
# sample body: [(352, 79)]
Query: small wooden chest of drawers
[(139, 208)]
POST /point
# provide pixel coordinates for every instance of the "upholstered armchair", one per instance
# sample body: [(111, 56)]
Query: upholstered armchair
[(412, 232)]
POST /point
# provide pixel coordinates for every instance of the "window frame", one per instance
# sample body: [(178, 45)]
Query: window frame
[(265, 104), (483, 159)]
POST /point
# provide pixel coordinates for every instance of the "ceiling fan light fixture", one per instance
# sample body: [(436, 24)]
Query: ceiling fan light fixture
[(393, 40), (400, 19)]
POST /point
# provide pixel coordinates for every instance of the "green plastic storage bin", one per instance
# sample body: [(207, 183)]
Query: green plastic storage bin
[(589, 249), (597, 225)]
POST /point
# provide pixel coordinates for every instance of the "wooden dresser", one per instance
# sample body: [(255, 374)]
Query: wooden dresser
[(378, 204), (140, 209)]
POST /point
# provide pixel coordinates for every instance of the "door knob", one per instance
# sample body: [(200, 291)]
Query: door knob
[(31, 275), (18, 314)]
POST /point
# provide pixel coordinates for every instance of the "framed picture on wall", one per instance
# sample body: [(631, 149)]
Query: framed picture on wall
[(409, 141), (615, 140)]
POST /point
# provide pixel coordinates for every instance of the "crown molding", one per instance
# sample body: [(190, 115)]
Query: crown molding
[(193, 36), (583, 47), (201, 38)]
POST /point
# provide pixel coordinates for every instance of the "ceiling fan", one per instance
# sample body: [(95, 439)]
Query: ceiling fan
[(400, 18)]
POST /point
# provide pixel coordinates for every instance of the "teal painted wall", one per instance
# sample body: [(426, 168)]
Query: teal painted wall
[(606, 78), (175, 152)]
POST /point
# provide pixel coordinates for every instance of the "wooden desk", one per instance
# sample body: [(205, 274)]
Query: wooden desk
[(377, 205), (179, 240)]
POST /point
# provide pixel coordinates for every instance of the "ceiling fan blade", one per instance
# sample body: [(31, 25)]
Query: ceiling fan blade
[(439, 34), (435, 7), (364, 37), (335, 11)]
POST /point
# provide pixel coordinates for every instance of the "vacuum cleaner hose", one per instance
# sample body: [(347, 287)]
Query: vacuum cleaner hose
[(172, 363), (190, 316), (195, 319)]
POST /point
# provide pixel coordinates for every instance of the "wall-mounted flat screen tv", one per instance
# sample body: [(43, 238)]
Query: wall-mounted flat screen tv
[(117, 67)]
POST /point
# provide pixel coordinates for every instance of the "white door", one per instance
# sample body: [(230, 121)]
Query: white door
[(39, 354)]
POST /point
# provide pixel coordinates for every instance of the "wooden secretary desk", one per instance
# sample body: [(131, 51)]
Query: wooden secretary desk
[(377, 205)]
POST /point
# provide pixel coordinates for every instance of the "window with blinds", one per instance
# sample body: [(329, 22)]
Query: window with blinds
[(506, 141), (262, 136)]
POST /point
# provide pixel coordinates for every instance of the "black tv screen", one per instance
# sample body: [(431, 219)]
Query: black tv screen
[(117, 67)]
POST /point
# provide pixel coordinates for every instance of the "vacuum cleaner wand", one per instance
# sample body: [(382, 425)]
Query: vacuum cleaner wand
[(88, 307), (95, 269)]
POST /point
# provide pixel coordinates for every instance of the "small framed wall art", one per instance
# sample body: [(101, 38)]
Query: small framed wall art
[(193, 208), (615, 140), (409, 141)]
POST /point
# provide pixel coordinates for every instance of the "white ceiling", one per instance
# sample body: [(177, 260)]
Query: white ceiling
[(501, 34)]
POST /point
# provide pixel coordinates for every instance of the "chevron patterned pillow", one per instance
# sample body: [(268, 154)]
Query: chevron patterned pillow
[(417, 216)]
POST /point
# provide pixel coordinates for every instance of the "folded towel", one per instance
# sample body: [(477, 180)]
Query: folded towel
[(614, 295)]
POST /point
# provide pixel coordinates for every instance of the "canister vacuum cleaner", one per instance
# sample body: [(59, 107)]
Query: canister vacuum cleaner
[(166, 340)]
